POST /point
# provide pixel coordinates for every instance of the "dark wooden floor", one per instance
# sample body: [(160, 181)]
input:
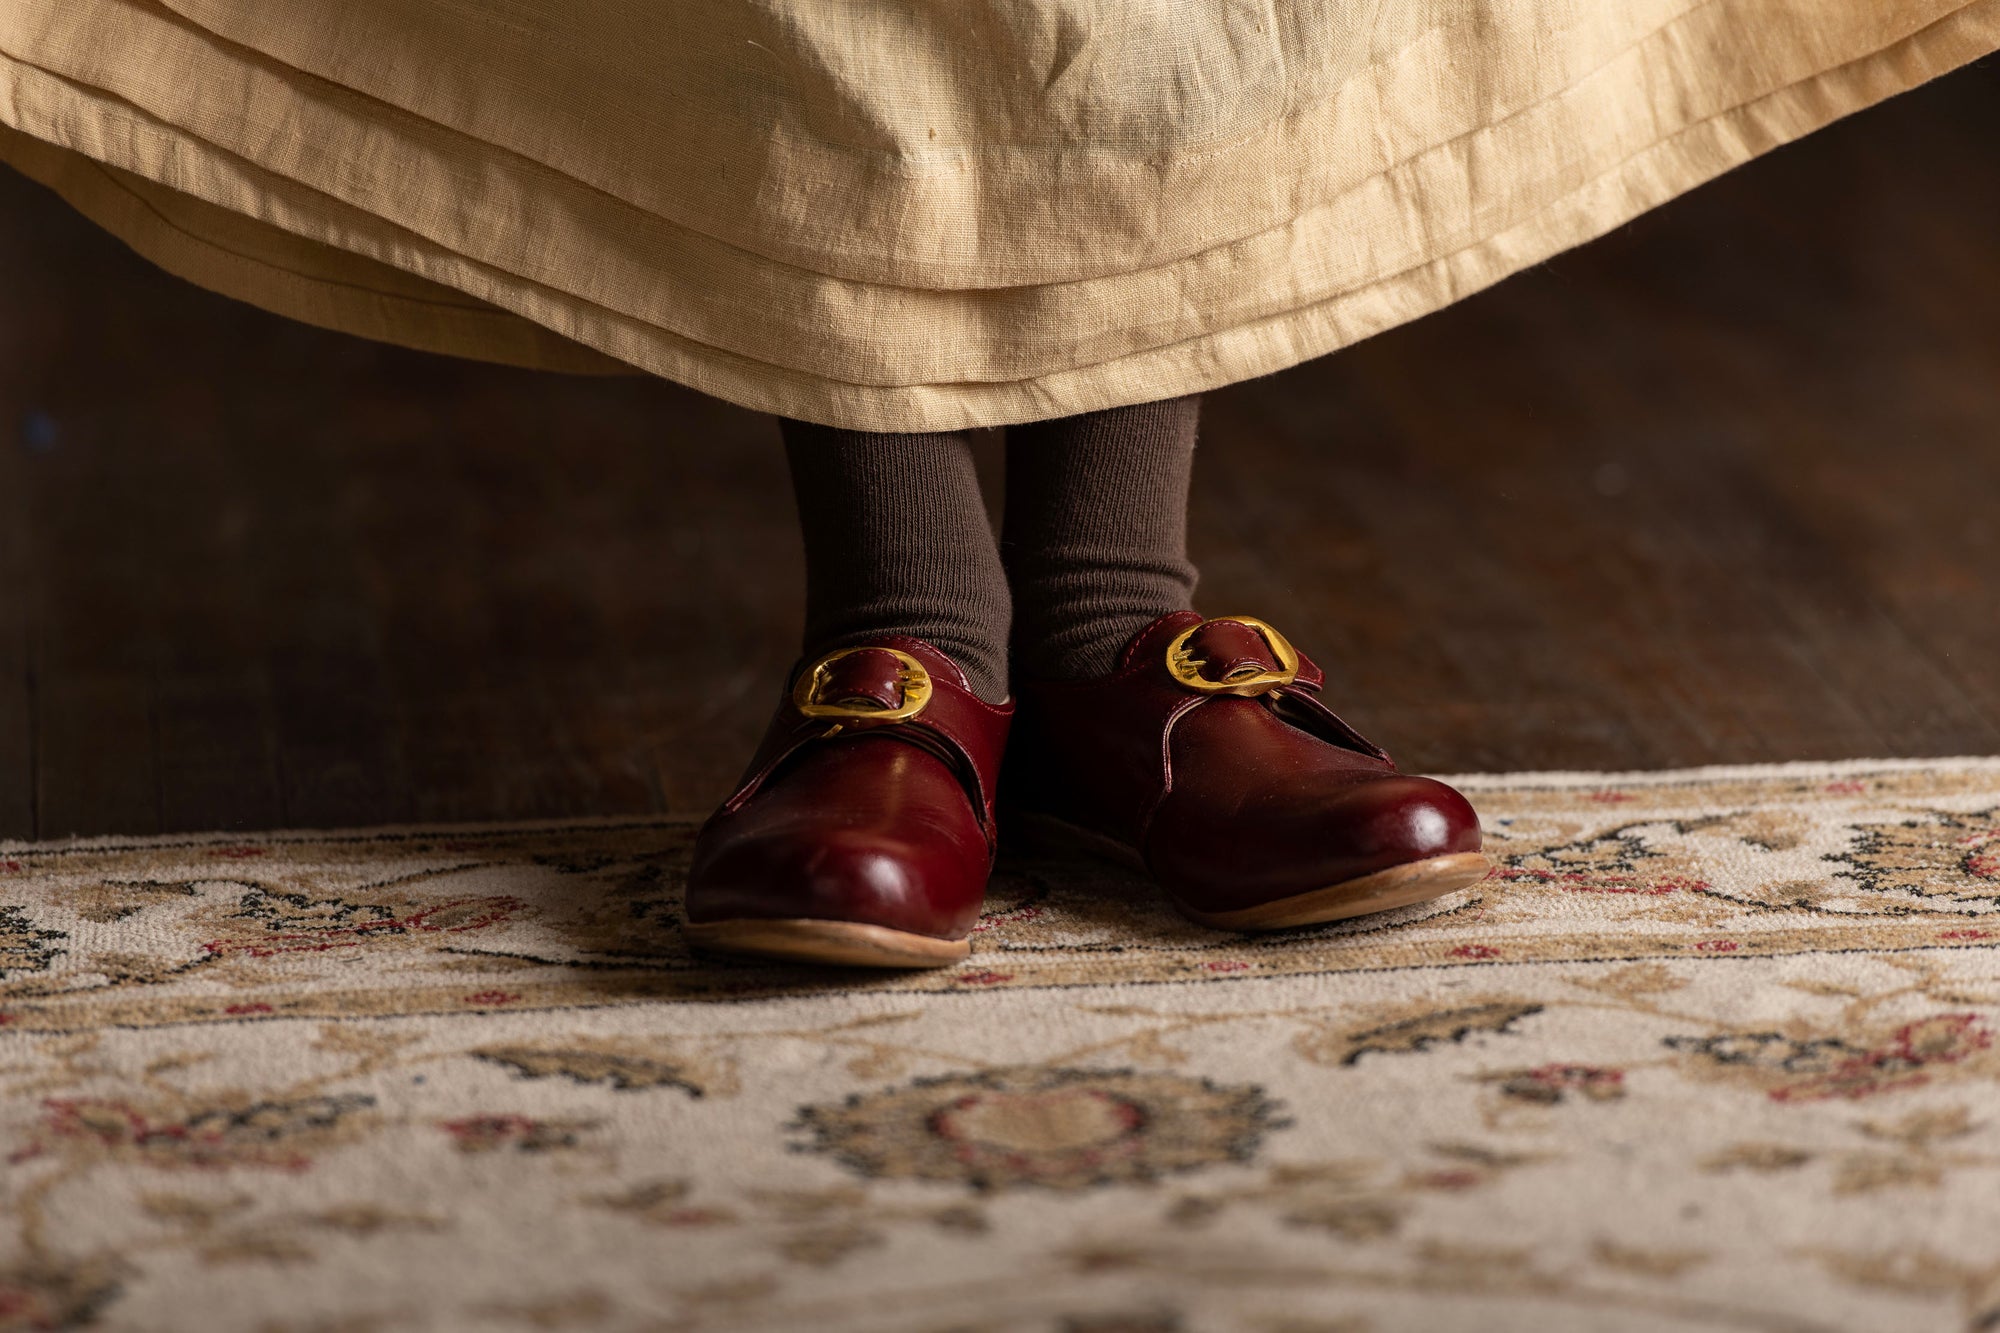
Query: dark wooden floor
[(1720, 487)]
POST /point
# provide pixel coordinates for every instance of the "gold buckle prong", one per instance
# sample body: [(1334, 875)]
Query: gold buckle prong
[(1249, 682), (913, 678)]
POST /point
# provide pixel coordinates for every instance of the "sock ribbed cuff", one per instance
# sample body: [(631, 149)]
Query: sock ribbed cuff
[(897, 542), (1095, 538)]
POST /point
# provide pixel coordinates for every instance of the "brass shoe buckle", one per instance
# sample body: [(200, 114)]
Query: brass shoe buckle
[(1248, 681), (913, 679)]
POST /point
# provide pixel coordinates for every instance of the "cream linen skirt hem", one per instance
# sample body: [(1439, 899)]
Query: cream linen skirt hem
[(875, 227)]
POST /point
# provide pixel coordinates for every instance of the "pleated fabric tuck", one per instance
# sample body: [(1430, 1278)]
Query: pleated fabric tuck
[(912, 214)]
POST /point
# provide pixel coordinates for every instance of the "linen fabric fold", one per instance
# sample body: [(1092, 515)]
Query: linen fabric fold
[(913, 215)]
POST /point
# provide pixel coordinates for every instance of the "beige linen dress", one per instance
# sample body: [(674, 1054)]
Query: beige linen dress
[(912, 214)]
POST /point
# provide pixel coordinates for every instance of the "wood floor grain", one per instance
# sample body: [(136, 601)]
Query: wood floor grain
[(1717, 488)]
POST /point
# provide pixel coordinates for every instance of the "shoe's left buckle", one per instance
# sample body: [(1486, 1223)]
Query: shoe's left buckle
[(811, 694)]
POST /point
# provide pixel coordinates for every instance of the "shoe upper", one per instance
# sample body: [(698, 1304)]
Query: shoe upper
[(870, 800), (1209, 752)]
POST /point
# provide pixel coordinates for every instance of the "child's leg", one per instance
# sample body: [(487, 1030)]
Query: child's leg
[(1095, 538), (1198, 750), (897, 542), (863, 830)]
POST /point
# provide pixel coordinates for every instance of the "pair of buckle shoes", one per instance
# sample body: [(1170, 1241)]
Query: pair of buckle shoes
[(864, 831)]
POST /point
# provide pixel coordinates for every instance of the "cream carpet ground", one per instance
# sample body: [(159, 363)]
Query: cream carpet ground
[(1710, 1050)]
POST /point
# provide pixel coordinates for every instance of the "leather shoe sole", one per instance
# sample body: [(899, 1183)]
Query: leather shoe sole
[(1397, 886), (843, 943)]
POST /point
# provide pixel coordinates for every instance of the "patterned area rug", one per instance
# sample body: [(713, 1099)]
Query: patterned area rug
[(1709, 1050)]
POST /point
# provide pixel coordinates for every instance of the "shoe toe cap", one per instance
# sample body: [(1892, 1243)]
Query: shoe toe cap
[(1396, 819), (1299, 839), (869, 876)]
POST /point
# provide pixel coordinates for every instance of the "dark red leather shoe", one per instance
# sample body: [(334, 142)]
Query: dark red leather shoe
[(1208, 760), (863, 831)]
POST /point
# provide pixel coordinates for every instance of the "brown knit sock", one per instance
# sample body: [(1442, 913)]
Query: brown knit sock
[(1095, 536), (897, 542)]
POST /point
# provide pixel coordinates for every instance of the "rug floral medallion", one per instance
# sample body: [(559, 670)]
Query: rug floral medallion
[(1708, 1050)]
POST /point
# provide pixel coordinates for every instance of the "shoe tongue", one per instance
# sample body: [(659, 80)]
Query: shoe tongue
[(863, 677), (1227, 651)]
